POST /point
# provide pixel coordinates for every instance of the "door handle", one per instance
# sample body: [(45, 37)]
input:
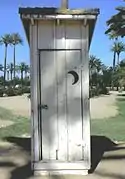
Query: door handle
[(43, 106)]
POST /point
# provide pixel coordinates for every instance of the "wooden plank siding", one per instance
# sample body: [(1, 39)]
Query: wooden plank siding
[(66, 123), (34, 93)]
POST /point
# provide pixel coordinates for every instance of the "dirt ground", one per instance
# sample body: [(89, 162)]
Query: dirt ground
[(100, 107), (104, 106), (108, 160), (19, 105)]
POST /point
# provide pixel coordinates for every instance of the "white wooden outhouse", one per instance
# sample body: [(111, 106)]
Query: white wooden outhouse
[(59, 42)]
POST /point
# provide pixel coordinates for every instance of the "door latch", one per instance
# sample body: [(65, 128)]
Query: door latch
[(43, 106)]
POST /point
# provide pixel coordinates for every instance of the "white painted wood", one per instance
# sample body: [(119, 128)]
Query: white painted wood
[(60, 172), (60, 165), (85, 93), (73, 35), (69, 144), (60, 36), (49, 116), (45, 35), (32, 113), (34, 92), (74, 114), (60, 16), (65, 132), (62, 118)]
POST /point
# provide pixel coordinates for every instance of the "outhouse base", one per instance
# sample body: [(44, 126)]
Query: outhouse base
[(52, 168)]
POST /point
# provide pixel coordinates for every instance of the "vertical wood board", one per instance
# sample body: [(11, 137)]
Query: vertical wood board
[(49, 116)]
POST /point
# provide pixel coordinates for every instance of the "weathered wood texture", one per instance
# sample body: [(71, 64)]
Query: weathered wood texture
[(65, 125), (34, 93)]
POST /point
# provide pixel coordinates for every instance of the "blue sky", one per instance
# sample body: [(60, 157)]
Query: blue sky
[(100, 46)]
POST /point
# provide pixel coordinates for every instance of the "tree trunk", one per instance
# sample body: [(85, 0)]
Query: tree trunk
[(11, 75), (5, 63), (22, 78), (14, 66), (118, 59), (8, 75), (114, 59), (25, 74)]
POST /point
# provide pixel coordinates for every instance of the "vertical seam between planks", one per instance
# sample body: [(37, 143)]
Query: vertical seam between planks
[(32, 112), (82, 85), (56, 84), (39, 93), (66, 93)]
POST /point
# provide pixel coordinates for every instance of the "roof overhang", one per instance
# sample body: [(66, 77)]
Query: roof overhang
[(28, 15)]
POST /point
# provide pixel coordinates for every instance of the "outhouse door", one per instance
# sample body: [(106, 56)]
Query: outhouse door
[(61, 105)]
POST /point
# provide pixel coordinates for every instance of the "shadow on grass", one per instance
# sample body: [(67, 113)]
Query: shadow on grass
[(6, 164), (22, 172), (24, 143), (100, 144), (121, 95), (121, 99)]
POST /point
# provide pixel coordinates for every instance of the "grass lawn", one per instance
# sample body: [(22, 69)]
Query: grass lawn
[(21, 124), (113, 128)]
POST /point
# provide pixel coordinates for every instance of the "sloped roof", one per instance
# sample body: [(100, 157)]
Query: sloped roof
[(53, 11), (46, 11)]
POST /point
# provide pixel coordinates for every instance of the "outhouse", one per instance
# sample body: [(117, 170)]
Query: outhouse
[(59, 42)]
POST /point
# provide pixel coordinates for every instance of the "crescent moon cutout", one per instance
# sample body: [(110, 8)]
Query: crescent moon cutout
[(75, 75)]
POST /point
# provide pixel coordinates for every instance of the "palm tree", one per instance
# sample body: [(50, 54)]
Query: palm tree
[(22, 69), (8, 74), (112, 36), (11, 70), (16, 40), (118, 47), (107, 76), (96, 67), (92, 65), (122, 63), (117, 23), (5, 40), (1, 68), (27, 68), (95, 64)]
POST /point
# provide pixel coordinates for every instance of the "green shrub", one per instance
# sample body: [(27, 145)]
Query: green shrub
[(13, 92), (105, 91), (29, 96), (102, 90), (18, 91), (25, 89), (92, 92), (10, 92), (98, 91), (1, 92)]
